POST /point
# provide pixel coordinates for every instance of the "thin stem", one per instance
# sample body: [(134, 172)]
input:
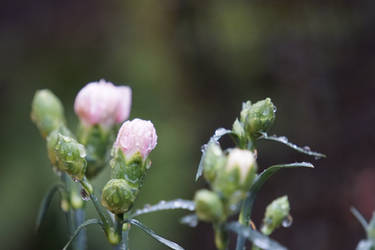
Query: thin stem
[(103, 216), (82, 236), (221, 238)]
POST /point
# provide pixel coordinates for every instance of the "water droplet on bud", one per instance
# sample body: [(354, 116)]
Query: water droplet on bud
[(85, 196), (287, 222)]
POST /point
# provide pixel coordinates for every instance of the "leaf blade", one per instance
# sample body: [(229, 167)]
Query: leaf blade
[(359, 217), (284, 140), (162, 240), (44, 205), (257, 238), (79, 228), (166, 205)]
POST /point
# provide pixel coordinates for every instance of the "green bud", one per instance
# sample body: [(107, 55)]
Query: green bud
[(113, 237), (208, 206), (64, 205), (214, 160), (118, 196), (47, 112), (67, 155), (257, 117), (76, 200), (238, 174), (132, 170), (97, 142), (276, 213)]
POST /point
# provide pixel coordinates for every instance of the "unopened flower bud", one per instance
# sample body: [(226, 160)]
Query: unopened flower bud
[(208, 206), (118, 196), (276, 213), (214, 159), (257, 117), (67, 154), (102, 103), (136, 136), (47, 112), (238, 174)]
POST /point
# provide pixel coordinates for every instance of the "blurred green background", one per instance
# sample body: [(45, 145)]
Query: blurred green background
[(190, 65)]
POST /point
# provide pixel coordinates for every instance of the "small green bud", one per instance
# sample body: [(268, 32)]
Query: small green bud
[(276, 213), (47, 112), (214, 160), (76, 200), (208, 206), (126, 226), (64, 205), (257, 117), (118, 196), (67, 154), (237, 175), (112, 236)]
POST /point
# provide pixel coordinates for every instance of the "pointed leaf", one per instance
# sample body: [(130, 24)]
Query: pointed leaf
[(166, 205), (190, 220), (79, 228), (282, 139), (359, 217), (258, 183), (220, 132), (257, 238), (45, 204), (147, 230)]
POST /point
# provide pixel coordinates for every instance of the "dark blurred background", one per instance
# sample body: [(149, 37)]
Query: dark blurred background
[(191, 64)]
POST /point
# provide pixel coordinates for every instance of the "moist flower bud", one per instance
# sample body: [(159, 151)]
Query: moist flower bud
[(214, 160), (102, 103), (47, 112), (208, 206), (67, 154), (238, 174), (118, 196), (257, 117), (277, 211)]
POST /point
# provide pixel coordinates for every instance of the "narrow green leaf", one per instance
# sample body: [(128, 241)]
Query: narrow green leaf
[(359, 217), (257, 238), (147, 230), (166, 205), (190, 220), (282, 139), (220, 132), (79, 228), (45, 204), (258, 183)]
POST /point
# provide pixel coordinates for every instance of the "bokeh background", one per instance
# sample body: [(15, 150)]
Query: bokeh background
[(191, 64)]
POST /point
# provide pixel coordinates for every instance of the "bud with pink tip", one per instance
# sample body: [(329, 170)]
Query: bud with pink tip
[(103, 103), (136, 136)]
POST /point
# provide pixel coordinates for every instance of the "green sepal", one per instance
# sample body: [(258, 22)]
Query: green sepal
[(118, 196), (208, 206), (97, 142), (47, 111), (132, 170), (67, 154)]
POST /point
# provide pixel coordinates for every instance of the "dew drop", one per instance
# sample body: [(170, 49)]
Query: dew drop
[(85, 196), (287, 222)]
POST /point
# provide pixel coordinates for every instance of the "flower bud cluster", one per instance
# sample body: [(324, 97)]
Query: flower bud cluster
[(129, 164), (230, 176), (254, 119)]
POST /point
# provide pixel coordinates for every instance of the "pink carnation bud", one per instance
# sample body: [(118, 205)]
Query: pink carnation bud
[(136, 136), (103, 103)]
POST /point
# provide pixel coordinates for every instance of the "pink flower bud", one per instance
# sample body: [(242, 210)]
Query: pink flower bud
[(136, 136), (103, 103)]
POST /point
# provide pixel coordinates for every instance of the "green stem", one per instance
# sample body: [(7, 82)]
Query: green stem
[(221, 237), (82, 236)]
